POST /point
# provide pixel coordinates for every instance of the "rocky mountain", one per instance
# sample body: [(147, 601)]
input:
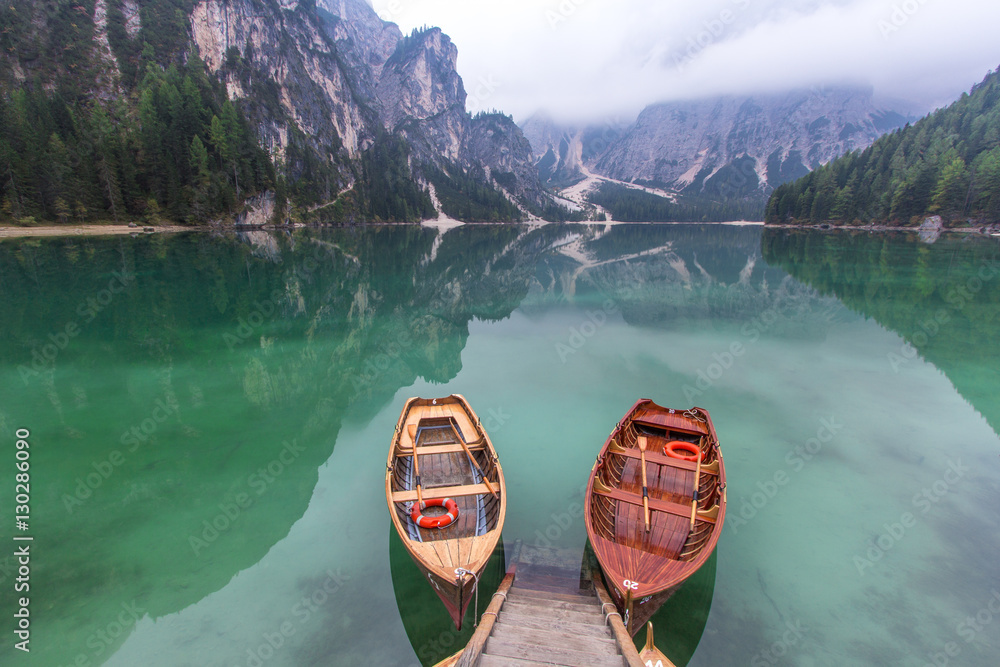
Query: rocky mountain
[(946, 166), (358, 120), (724, 147), (565, 154)]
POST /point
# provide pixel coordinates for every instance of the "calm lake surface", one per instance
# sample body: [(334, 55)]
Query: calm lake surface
[(209, 419)]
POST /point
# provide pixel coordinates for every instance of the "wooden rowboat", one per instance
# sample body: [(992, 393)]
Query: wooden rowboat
[(653, 519), (650, 656), (440, 455)]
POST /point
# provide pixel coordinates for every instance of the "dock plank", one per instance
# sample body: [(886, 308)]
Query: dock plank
[(551, 639), (487, 660), (583, 596), (540, 605), (546, 619), (545, 623), (566, 658)]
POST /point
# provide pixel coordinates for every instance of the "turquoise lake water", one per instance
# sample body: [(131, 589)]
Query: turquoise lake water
[(209, 418)]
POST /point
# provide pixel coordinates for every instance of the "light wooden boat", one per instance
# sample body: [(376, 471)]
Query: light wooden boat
[(648, 544), (440, 453), (650, 655)]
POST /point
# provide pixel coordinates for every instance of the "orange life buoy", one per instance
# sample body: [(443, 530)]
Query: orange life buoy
[(685, 451), (442, 521)]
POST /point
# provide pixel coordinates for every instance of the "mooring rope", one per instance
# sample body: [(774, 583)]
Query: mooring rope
[(459, 572)]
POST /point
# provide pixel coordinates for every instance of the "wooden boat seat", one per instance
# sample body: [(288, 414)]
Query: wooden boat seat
[(660, 505), (444, 492), (664, 426), (663, 459), (673, 421), (452, 448)]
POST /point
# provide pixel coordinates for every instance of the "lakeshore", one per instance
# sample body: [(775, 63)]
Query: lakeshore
[(89, 230)]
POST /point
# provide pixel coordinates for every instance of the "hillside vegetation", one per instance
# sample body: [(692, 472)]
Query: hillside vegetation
[(112, 116), (631, 205), (947, 163)]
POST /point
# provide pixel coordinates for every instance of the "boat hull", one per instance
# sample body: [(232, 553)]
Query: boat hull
[(652, 519), (455, 595), (442, 442), (637, 612)]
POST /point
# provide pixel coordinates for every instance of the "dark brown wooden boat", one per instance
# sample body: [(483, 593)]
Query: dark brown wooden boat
[(653, 519), (441, 456)]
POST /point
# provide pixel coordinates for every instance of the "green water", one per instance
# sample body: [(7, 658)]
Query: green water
[(209, 418)]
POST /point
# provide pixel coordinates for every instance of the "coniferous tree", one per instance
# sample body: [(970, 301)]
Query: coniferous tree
[(946, 163)]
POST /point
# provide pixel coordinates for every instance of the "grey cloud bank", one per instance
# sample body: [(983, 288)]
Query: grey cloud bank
[(588, 59)]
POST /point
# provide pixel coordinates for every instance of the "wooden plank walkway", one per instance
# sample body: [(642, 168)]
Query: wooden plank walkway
[(548, 613)]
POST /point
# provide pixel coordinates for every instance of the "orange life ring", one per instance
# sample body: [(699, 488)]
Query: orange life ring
[(685, 451), (442, 521)]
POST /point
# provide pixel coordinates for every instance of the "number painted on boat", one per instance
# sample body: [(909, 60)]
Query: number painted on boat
[(649, 663), (645, 599), (632, 585)]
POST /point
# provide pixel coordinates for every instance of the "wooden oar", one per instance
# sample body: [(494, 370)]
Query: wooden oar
[(416, 472), (697, 483), (468, 451), (645, 490)]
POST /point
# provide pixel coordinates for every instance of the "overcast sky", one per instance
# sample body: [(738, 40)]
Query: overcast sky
[(598, 59)]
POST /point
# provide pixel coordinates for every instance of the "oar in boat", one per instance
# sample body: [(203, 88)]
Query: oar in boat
[(645, 490), (694, 496), (416, 466), (468, 451)]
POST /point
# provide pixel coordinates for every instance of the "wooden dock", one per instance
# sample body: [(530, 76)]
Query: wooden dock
[(548, 612)]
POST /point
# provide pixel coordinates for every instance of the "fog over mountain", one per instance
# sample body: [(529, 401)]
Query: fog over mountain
[(727, 146), (588, 60)]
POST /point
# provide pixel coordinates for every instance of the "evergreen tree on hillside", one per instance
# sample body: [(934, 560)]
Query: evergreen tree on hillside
[(186, 151), (947, 163)]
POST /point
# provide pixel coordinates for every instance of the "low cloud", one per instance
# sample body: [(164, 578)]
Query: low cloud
[(589, 59)]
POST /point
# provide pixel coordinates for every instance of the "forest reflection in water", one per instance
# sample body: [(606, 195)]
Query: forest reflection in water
[(215, 412)]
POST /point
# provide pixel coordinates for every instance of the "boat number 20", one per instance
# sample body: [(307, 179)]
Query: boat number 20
[(633, 585)]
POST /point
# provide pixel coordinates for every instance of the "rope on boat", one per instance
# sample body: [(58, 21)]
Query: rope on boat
[(461, 571), (691, 414)]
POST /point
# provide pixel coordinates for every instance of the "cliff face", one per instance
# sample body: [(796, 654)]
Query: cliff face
[(345, 78), (761, 140), (328, 88), (564, 154), (422, 97), (250, 44), (785, 135)]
